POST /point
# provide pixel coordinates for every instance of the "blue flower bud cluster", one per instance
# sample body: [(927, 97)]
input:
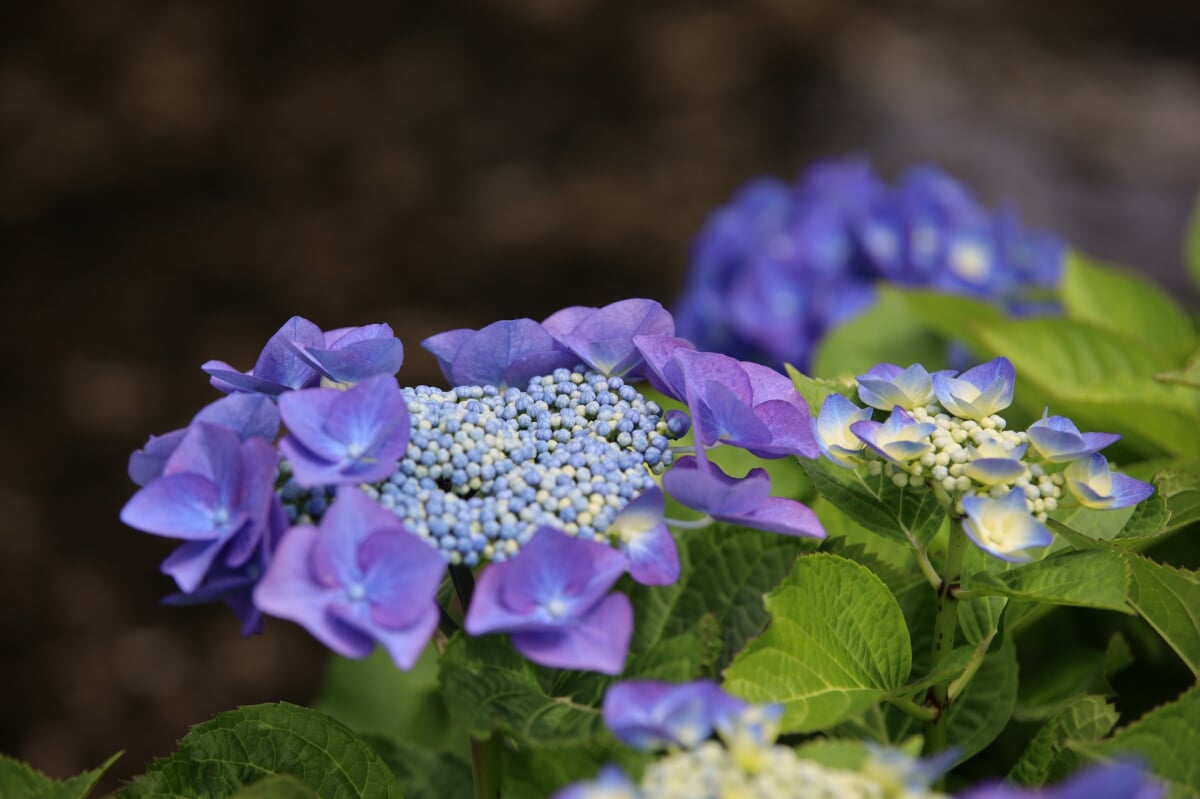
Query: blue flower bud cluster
[(780, 265), (486, 466)]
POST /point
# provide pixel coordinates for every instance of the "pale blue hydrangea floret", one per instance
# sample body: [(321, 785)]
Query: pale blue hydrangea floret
[(886, 386), (979, 392), (995, 460), (1003, 527), (1095, 485), (1058, 440), (834, 434), (649, 714), (554, 601), (485, 466), (900, 439)]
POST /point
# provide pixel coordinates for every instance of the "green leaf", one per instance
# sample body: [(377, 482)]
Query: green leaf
[(908, 515), (1092, 579), (889, 331), (1075, 672), (1169, 599), (978, 715), (18, 779), (423, 773), (372, 695), (1191, 244), (490, 687), (839, 753), (240, 747), (816, 389), (950, 315), (951, 666), (1046, 758), (725, 572), (1180, 487), (1167, 738), (277, 786), (837, 643), (1189, 375), (1125, 303)]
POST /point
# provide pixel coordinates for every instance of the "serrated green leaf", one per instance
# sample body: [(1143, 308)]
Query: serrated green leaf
[(1046, 758), (1167, 738), (907, 515), (240, 747), (19, 779), (816, 389), (373, 696), (1191, 243), (1169, 599), (1180, 487), (1125, 303), (888, 332), (424, 773), (488, 686), (1093, 579), (726, 570), (837, 643), (894, 576), (277, 786)]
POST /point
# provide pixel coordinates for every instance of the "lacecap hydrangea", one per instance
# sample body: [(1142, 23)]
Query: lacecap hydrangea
[(944, 432), (321, 491), (780, 265), (715, 746)]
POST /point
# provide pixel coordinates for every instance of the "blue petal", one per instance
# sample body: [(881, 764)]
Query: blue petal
[(597, 641)]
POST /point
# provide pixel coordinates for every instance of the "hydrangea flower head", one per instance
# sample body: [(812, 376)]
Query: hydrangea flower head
[(357, 579), (648, 714), (979, 392), (1003, 527), (1058, 440), (779, 266), (554, 599), (1096, 486)]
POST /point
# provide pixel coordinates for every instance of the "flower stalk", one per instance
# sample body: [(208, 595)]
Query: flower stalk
[(945, 626)]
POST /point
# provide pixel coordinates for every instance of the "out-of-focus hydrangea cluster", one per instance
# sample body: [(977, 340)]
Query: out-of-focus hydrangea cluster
[(541, 466), (744, 762), (780, 265), (943, 432)]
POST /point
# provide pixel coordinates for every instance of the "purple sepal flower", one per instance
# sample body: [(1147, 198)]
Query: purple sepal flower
[(279, 367), (833, 427), (1003, 527), (1096, 486), (1109, 781), (603, 337), (351, 354), (248, 415), (214, 493), (663, 371), (900, 439), (345, 437), (646, 541), (553, 599), (994, 461), (886, 385), (358, 579), (649, 715), (506, 353), (746, 405), (982, 391), (610, 784), (746, 501), (1058, 440), (235, 585)]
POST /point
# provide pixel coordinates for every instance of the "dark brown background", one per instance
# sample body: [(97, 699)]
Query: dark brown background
[(177, 178)]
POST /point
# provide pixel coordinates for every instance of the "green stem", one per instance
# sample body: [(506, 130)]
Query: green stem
[(922, 712), (945, 625), (485, 767)]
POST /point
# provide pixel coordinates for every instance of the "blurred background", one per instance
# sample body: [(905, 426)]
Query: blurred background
[(178, 178)]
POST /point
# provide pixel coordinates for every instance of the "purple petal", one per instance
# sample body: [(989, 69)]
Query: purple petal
[(374, 416), (597, 641), (1128, 491), (648, 715), (487, 357), (306, 413), (402, 574), (356, 360), (445, 346), (646, 541), (147, 463), (209, 451), (177, 506), (561, 323), (190, 563), (278, 362), (790, 428), (991, 471), (288, 591), (664, 372), (406, 645), (254, 496), (248, 415), (779, 515), (224, 377), (709, 489), (350, 520), (603, 338), (722, 414)]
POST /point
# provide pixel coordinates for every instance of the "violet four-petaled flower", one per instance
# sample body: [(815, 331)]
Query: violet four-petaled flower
[(1096, 486), (1058, 440), (648, 714), (746, 501), (214, 493), (644, 538), (978, 392), (506, 353), (834, 434), (359, 578), (553, 598), (1003, 527), (602, 338), (336, 437), (885, 385), (899, 439)]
